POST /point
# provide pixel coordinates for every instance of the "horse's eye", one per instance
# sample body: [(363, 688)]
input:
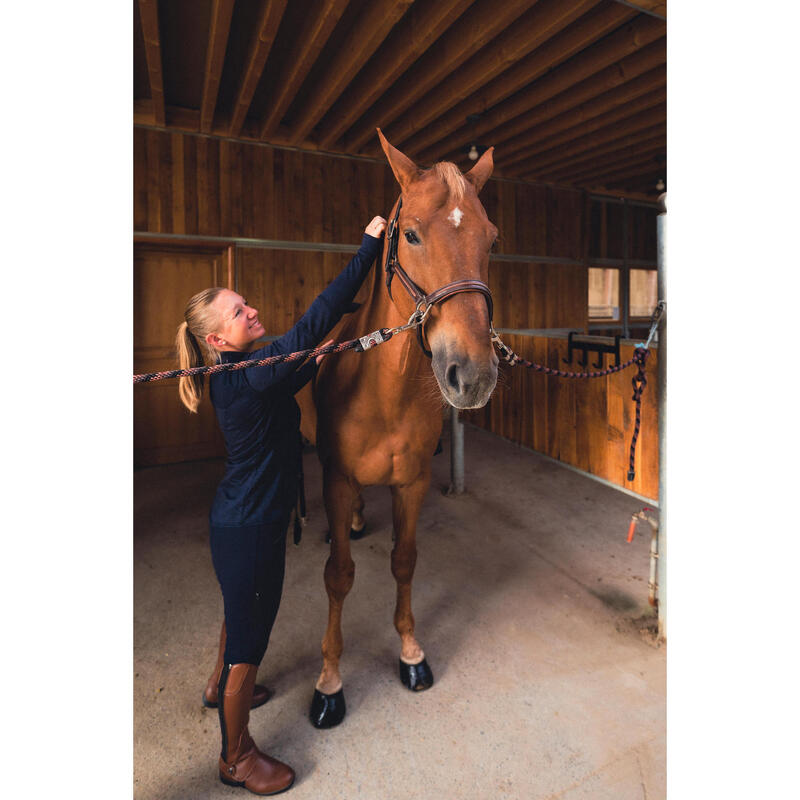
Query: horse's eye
[(411, 237), (493, 248)]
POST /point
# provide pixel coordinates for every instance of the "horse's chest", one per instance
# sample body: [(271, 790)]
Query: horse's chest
[(397, 453), (392, 461)]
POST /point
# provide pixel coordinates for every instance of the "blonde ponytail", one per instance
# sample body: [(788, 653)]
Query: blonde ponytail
[(199, 321)]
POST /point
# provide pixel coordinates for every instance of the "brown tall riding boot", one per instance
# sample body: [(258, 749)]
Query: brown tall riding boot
[(241, 763), (260, 693)]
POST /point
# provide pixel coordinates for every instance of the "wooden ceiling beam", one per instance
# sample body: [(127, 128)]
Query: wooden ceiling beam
[(559, 144), (610, 172), (656, 134), (148, 14), (537, 30), (482, 22), (625, 185), (271, 15), (656, 8), (630, 126), (631, 37), (649, 197), (404, 46), (632, 92), (644, 182), (566, 44), (221, 13), (647, 141), (372, 28), (319, 25), (630, 97), (518, 133)]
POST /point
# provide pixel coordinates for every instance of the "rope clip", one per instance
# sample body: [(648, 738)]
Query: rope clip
[(658, 312), (508, 354), (373, 339)]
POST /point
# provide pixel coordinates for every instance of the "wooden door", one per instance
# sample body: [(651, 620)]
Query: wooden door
[(164, 278)]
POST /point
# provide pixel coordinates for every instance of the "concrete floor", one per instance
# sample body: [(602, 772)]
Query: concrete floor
[(529, 604)]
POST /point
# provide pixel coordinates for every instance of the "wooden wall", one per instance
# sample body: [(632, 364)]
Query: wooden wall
[(585, 422), (200, 186), (191, 184)]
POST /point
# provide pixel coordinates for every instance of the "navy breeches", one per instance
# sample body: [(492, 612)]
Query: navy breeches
[(249, 563)]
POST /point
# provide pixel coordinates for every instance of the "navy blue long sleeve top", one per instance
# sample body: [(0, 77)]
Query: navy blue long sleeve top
[(258, 415)]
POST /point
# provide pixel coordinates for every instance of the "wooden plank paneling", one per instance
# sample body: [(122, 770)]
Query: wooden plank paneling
[(587, 423), (530, 295), (207, 186), (140, 219), (178, 194), (282, 284), (164, 278)]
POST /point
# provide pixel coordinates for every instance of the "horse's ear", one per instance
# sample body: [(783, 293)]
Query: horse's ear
[(480, 173), (405, 170)]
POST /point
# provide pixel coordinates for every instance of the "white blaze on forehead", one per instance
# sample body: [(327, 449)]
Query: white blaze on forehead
[(455, 216)]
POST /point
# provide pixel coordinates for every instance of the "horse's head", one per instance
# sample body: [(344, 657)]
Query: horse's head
[(445, 236)]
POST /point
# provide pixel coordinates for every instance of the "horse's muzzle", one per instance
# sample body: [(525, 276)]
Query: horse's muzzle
[(465, 382)]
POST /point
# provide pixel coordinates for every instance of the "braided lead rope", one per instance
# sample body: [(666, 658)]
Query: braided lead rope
[(359, 345), (639, 381), (512, 358)]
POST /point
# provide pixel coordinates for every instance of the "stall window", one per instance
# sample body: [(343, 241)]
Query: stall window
[(644, 292), (603, 293)]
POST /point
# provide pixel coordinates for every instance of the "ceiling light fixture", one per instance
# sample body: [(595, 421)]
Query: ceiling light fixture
[(475, 150)]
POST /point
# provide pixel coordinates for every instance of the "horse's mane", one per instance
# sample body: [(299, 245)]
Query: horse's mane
[(450, 174)]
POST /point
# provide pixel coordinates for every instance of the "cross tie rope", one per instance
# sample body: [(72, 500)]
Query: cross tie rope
[(363, 343), (639, 382), (359, 345)]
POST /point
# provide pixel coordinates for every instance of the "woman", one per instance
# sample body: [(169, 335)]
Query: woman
[(249, 517)]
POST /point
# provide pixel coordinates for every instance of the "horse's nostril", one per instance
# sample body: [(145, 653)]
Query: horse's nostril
[(452, 377)]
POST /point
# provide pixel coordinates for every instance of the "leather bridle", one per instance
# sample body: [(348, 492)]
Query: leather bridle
[(424, 302)]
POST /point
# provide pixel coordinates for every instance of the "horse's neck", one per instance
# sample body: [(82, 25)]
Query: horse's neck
[(402, 367)]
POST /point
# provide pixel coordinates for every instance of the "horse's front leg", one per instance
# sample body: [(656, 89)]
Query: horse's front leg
[(328, 706), (358, 524), (406, 503)]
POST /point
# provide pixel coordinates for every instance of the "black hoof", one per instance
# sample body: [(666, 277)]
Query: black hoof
[(354, 534), (416, 677), (327, 710)]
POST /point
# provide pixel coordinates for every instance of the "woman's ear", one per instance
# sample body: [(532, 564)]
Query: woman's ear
[(214, 340)]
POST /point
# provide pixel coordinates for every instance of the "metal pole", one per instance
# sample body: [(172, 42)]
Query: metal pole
[(456, 453), (661, 231), (625, 277)]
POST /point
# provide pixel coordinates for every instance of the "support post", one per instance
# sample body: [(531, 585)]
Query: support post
[(625, 277), (661, 222), (456, 453)]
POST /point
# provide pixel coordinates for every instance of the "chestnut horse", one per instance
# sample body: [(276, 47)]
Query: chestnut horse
[(379, 413)]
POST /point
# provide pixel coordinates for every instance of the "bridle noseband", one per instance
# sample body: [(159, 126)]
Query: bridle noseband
[(425, 302)]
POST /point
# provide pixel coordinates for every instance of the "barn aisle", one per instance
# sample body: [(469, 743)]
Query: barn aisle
[(526, 598)]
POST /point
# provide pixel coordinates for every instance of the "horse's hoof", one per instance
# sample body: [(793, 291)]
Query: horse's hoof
[(327, 710), (354, 534), (416, 677)]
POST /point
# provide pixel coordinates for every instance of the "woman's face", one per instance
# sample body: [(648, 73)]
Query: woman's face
[(238, 325)]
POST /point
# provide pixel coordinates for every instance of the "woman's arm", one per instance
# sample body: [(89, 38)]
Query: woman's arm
[(326, 310)]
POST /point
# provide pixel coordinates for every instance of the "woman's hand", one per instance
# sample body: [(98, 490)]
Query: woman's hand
[(376, 227), (322, 355)]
